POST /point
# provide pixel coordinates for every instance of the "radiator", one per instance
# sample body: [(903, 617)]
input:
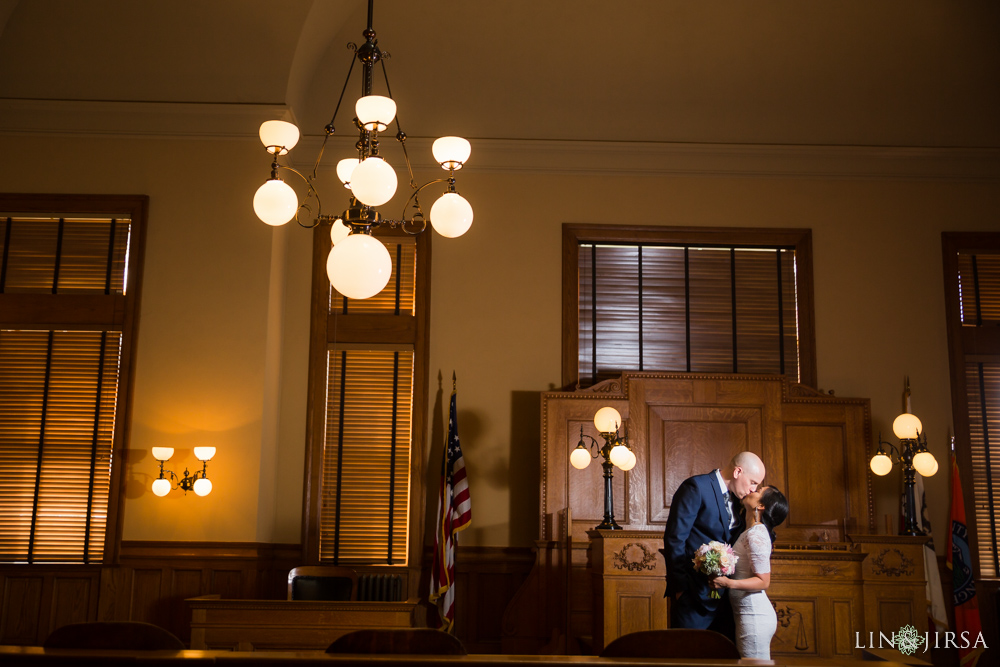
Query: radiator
[(380, 587)]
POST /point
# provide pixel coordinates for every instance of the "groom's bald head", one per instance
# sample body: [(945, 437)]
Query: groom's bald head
[(744, 473)]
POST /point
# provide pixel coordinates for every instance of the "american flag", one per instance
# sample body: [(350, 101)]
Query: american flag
[(453, 514)]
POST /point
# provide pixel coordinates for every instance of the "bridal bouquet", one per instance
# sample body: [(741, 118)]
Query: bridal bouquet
[(715, 559)]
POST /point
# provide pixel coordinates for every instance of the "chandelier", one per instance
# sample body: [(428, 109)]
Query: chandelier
[(359, 266)]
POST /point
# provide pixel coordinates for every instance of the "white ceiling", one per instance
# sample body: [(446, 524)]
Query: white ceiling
[(824, 72)]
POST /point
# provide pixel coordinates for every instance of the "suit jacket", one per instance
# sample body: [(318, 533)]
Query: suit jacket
[(698, 515)]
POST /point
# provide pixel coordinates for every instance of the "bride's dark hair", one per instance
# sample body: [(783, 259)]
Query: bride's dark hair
[(775, 509)]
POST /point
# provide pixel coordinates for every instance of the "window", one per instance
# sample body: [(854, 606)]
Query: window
[(368, 401), (69, 283), (972, 283), (687, 300)]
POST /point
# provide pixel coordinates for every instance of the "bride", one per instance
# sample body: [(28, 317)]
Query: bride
[(754, 615)]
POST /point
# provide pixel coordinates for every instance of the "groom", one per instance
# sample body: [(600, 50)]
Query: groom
[(705, 508)]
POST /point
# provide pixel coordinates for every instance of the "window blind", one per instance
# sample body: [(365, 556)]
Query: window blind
[(978, 300), (364, 512), (366, 457), (663, 307), (59, 386), (983, 392)]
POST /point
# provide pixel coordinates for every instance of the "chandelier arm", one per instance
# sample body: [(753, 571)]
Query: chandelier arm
[(310, 193), (413, 196)]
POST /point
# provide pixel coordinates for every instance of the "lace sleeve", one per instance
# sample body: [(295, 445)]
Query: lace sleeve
[(759, 544)]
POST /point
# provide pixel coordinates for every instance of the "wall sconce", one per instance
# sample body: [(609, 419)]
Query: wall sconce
[(913, 456), (198, 482), (615, 451)]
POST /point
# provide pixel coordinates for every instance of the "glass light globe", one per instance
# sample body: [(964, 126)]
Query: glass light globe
[(925, 464), (375, 111), (359, 266), (203, 486), (277, 135), (163, 453), (580, 458), (607, 420), (907, 426), (451, 215), (204, 453), (161, 487), (881, 465), (275, 202), (373, 182), (338, 231), (629, 462), (451, 152), (345, 168), (619, 455)]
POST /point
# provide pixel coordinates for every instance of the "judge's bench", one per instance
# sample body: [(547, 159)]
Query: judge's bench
[(834, 579)]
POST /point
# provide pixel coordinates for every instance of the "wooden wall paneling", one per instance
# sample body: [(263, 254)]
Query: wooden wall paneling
[(535, 619), (74, 599), (487, 578), (21, 609), (115, 594)]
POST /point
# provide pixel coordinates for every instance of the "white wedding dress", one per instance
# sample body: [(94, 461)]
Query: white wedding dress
[(752, 611)]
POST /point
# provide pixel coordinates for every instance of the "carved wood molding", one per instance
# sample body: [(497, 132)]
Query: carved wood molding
[(892, 563), (646, 562)]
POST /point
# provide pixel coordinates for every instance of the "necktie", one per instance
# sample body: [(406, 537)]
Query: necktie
[(727, 497)]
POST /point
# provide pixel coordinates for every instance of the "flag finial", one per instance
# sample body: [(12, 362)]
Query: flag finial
[(454, 381)]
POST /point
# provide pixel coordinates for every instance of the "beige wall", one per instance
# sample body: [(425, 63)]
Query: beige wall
[(224, 316)]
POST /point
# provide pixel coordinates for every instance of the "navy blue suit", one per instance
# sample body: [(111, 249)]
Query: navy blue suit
[(698, 515)]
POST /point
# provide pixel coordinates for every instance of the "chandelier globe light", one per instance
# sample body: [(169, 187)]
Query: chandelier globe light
[(359, 266)]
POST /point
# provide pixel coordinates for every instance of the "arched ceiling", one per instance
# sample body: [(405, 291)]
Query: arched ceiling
[(830, 72)]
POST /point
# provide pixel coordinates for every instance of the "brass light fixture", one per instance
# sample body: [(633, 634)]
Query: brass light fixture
[(197, 482), (615, 451), (359, 266), (912, 454)]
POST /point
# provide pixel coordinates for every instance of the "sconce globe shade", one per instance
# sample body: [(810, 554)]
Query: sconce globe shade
[(451, 152), (375, 111), (607, 420), (204, 453), (925, 463), (373, 182), (881, 465), (451, 215), (619, 455), (163, 453), (629, 461), (275, 202), (279, 133), (338, 231), (203, 486), (359, 266), (907, 426), (580, 458), (345, 168), (161, 487)]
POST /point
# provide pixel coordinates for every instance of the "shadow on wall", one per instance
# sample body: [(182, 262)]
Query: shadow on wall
[(524, 469)]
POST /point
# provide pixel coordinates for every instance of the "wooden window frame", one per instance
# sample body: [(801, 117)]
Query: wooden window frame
[(574, 234), (376, 329), (965, 343), (88, 312)]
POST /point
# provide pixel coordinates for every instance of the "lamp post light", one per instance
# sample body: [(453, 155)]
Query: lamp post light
[(912, 454), (615, 451)]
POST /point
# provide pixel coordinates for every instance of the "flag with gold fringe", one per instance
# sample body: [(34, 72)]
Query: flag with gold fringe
[(454, 513)]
